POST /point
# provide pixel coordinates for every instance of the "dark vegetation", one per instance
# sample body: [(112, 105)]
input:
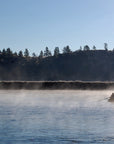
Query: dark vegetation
[(84, 64), (52, 85)]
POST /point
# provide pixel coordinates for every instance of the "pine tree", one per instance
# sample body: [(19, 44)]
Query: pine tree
[(41, 54), (66, 50), (86, 48), (47, 52), (8, 51), (56, 51), (26, 53), (20, 54)]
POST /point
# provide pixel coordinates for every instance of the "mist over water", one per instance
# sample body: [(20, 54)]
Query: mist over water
[(56, 117)]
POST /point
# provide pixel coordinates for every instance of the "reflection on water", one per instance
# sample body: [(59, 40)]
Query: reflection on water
[(56, 117)]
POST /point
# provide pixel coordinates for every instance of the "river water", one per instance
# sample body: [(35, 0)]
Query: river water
[(56, 117)]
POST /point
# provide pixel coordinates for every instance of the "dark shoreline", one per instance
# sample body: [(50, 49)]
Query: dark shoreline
[(56, 85)]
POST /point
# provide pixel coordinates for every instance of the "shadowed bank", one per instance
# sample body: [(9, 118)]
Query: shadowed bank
[(56, 85)]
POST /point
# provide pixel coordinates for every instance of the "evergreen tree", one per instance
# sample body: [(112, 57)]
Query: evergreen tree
[(47, 52), (8, 51), (86, 48), (56, 51), (20, 54), (4, 51), (41, 54), (26, 53), (66, 50)]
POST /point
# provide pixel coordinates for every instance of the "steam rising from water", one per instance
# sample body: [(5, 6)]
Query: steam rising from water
[(58, 116), (56, 98)]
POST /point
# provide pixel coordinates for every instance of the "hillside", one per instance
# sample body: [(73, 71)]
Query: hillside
[(88, 65)]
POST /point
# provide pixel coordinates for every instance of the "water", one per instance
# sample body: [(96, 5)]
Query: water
[(56, 117)]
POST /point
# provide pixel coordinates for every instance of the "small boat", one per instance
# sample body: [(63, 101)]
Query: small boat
[(111, 99)]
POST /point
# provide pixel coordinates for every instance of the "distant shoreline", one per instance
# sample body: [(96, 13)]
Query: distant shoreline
[(56, 85)]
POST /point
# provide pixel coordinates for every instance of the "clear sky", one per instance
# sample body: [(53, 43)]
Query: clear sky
[(35, 24)]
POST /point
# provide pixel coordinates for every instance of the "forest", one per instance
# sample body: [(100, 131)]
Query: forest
[(84, 64)]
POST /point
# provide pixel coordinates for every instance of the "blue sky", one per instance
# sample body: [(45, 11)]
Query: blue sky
[(35, 24)]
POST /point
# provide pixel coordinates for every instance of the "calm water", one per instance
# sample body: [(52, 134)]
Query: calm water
[(56, 117)]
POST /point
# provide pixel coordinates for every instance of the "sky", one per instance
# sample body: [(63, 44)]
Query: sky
[(35, 24)]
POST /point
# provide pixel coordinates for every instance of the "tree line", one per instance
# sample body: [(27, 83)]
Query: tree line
[(47, 52)]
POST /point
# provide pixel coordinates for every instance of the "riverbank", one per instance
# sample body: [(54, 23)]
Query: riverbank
[(51, 85)]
